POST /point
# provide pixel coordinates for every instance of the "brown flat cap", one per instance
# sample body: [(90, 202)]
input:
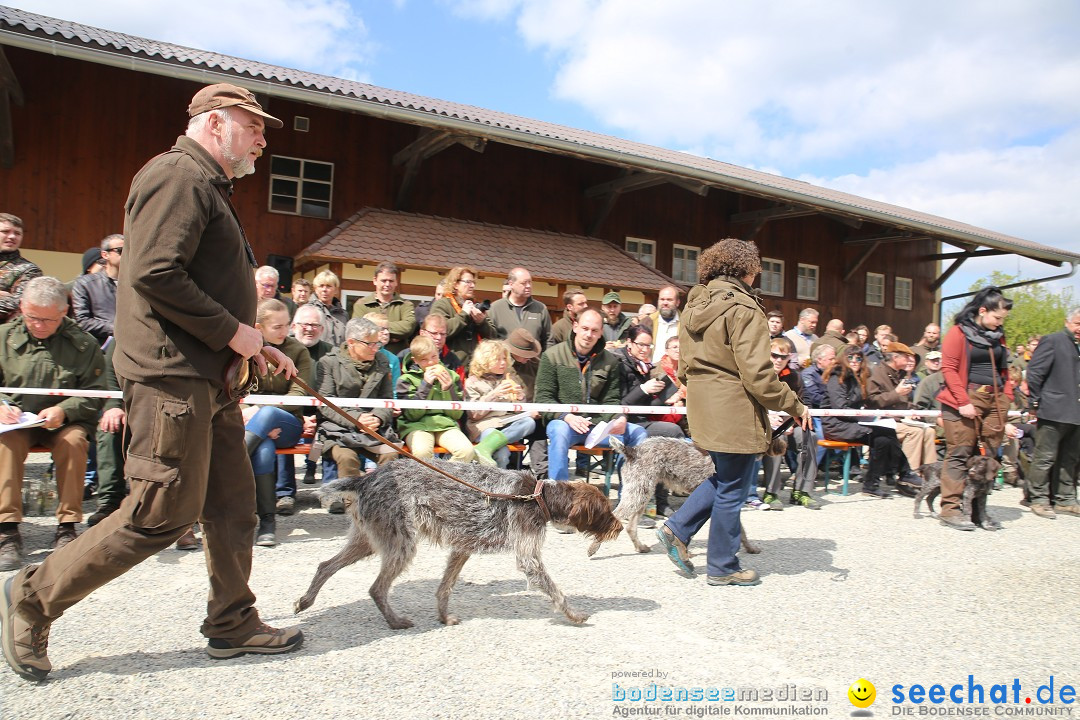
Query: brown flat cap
[(899, 347), (523, 344), (223, 95)]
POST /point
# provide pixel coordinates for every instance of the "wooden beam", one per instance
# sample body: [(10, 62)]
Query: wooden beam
[(424, 146), (948, 273), (779, 212), (10, 92), (965, 254), (889, 238), (863, 257), (627, 182), (693, 186), (606, 206)]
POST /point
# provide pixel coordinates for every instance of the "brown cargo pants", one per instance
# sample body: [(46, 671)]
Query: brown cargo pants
[(962, 436), (186, 462)]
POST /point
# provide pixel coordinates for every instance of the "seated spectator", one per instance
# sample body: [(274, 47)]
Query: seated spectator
[(930, 340), (643, 384), (875, 354), (580, 371), (803, 443), (301, 292), (669, 363), (267, 281), (834, 335), (423, 309), (889, 387), (519, 309), (863, 335), (112, 485), (383, 323), (574, 303), (423, 377), (846, 385), (15, 270), (803, 336), (326, 285), (492, 379), (434, 328), (466, 322), (525, 353), (44, 348), (775, 318), (93, 295), (616, 325), (399, 313), (268, 427), (307, 328), (355, 369)]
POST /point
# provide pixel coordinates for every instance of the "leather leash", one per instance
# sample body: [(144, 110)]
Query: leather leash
[(536, 495)]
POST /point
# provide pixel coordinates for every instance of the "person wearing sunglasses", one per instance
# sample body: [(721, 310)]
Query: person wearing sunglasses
[(93, 295), (845, 383)]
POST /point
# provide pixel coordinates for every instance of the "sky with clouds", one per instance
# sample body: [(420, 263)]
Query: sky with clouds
[(965, 109)]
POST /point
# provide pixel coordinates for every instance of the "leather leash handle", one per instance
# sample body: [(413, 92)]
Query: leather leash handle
[(401, 449)]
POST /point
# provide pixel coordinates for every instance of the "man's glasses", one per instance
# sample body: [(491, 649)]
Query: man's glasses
[(647, 346), (429, 333), (309, 326), (779, 356), (118, 251), (376, 344)]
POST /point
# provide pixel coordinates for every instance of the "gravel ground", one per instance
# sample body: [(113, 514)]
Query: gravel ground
[(856, 590)]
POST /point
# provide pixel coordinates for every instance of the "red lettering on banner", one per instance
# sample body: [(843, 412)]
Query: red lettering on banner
[(625, 410), (517, 408), (455, 406), (574, 408), (388, 404)]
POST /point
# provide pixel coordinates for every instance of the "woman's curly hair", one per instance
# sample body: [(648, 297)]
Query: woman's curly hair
[(732, 257)]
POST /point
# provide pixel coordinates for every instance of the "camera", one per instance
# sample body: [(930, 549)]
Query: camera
[(483, 305)]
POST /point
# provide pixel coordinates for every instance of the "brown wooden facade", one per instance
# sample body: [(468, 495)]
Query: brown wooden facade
[(85, 129)]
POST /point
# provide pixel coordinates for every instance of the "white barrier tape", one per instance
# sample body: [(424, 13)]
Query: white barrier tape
[(298, 401)]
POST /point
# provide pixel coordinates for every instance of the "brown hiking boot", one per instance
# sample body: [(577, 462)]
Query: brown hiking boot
[(188, 541), (65, 533), (11, 557), (25, 645), (265, 640), (739, 577), (1043, 511), (1067, 509)]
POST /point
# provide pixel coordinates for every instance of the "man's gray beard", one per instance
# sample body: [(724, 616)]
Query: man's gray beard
[(240, 166), (304, 341), (667, 313)]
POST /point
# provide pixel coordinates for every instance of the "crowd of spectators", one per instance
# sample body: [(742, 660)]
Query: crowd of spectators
[(457, 347)]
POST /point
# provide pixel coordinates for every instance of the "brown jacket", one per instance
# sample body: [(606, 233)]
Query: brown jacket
[(881, 390), (186, 282), (730, 381)]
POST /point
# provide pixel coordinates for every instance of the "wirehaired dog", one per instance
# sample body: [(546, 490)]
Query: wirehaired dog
[(680, 465), (403, 502), (981, 472)]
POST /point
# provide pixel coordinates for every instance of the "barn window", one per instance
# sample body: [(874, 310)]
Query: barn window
[(301, 187), (772, 277), (875, 289), (807, 286), (684, 263), (902, 294), (643, 250)]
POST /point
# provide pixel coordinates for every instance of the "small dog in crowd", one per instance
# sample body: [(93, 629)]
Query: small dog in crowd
[(403, 502), (678, 464), (981, 472)]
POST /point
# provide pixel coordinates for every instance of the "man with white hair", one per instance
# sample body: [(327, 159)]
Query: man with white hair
[(267, 280), (44, 348), (187, 300)]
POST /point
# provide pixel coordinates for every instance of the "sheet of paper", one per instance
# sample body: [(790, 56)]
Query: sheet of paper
[(598, 434), (26, 420)]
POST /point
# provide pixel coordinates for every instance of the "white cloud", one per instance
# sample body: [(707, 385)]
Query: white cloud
[(324, 36), (805, 81)]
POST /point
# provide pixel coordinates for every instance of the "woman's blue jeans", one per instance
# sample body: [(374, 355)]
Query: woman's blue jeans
[(719, 500), (268, 418), (515, 432)]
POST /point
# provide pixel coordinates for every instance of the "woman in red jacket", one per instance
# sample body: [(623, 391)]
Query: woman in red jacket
[(976, 394)]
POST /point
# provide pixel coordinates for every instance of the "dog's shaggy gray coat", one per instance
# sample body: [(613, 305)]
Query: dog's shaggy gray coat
[(403, 502)]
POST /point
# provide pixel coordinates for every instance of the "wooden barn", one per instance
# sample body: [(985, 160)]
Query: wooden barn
[(361, 174)]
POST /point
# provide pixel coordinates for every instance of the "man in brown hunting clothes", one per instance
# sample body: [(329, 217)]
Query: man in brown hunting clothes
[(188, 296)]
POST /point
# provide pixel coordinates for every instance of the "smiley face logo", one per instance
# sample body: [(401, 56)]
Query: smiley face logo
[(862, 693)]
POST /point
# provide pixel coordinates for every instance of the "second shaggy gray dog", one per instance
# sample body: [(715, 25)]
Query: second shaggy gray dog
[(680, 465), (402, 502)]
